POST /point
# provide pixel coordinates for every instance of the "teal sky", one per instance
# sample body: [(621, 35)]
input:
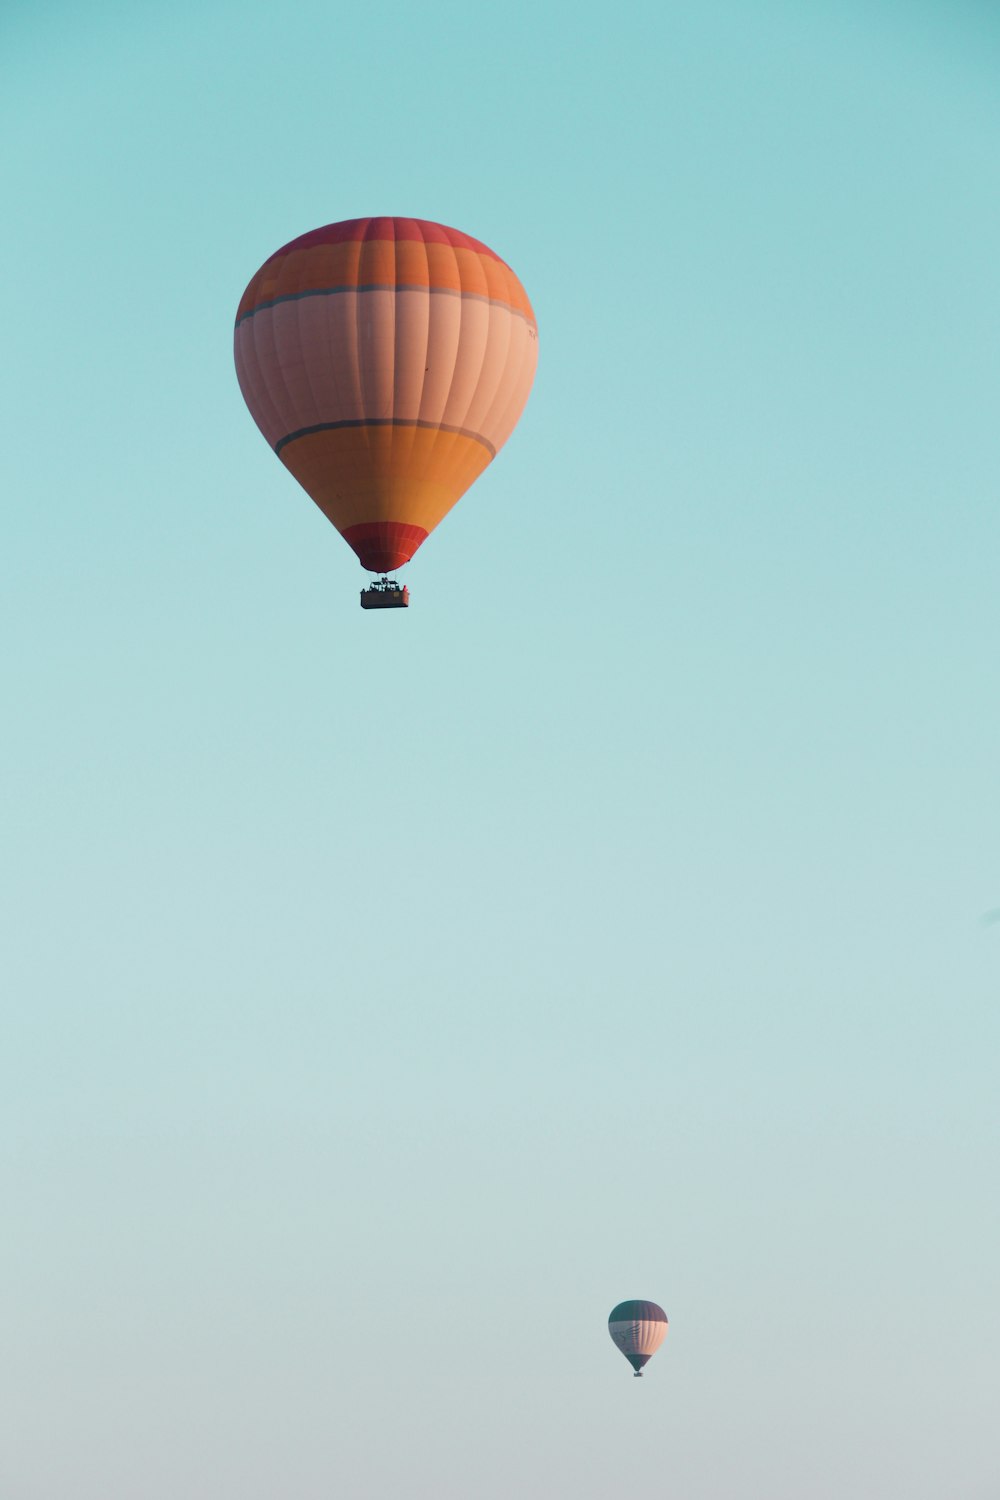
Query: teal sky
[(383, 999)]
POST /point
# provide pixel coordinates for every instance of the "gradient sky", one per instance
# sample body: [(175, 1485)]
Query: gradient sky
[(386, 998)]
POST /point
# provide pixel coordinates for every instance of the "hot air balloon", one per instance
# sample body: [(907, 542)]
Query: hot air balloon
[(386, 361), (638, 1329)]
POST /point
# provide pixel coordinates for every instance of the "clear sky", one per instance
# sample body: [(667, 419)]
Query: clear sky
[(387, 996)]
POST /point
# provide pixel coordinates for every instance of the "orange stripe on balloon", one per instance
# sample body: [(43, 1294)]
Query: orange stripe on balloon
[(364, 474), (361, 264)]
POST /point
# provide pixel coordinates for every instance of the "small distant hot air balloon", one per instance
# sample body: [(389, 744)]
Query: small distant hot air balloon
[(385, 361), (638, 1329)]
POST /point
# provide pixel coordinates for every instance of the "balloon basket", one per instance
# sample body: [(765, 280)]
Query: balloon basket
[(385, 594)]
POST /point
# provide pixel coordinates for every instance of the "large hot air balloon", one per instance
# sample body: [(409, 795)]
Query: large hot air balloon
[(638, 1329), (385, 361)]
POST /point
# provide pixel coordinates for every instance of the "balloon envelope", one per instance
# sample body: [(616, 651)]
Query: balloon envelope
[(638, 1329), (385, 361)]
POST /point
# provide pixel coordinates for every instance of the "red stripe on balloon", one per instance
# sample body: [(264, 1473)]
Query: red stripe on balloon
[(354, 230)]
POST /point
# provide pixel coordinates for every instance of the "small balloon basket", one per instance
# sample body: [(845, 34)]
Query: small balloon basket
[(385, 594)]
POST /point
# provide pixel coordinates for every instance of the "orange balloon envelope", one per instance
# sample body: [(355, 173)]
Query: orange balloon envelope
[(385, 361)]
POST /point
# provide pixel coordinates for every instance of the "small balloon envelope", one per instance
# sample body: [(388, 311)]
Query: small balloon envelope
[(638, 1328), (386, 361)]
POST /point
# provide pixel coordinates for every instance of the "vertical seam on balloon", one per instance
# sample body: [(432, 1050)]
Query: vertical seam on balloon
[(400, 441), (483, 422), (305, 366), (264, 390), (434, 452), (250, 377), (250, 353), (428, 307), (333, 341), (356, 362), (277, 364), (482, 359), (525, 377), (521, 390), (392, 308), (437, 321), (271, 370), (256, 374)]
